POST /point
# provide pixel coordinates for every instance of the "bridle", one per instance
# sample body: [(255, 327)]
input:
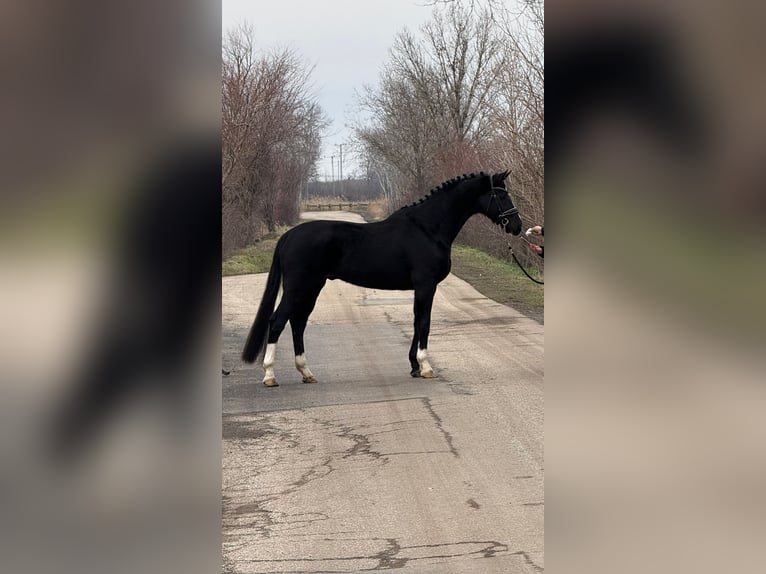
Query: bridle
[(503, 216)]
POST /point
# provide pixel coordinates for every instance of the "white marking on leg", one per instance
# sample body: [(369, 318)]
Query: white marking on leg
[(300, 364), (268, 361), (425, 366)]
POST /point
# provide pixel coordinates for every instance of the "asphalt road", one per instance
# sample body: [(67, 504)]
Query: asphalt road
[(371, 469)]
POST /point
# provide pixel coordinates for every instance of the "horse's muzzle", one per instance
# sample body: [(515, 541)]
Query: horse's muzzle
[(512, 227), (510, 221)]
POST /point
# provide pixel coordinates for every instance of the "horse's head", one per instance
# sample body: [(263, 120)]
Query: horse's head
[(496, 204)]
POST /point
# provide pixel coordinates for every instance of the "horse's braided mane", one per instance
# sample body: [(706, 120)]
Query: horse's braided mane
[(449, 184)]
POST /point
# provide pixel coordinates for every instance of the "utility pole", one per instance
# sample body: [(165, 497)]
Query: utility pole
[(332, 164), (340, 166)]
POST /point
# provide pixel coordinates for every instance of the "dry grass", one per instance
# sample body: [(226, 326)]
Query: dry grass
[(376, 210), (499, 280)]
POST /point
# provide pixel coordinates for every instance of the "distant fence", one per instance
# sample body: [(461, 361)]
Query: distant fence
[(337, 206)]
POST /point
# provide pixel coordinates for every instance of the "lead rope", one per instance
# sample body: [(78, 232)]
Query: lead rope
[(510, 247)]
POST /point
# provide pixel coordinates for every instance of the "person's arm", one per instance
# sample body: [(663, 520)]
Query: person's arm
[(539, 249)]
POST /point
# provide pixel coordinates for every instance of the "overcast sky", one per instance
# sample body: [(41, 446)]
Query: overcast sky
[(346, 40)]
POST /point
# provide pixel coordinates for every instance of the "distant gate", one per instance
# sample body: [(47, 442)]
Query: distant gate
[(334, 206)]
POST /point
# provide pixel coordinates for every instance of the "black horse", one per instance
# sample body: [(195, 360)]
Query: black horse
[(408, 250)]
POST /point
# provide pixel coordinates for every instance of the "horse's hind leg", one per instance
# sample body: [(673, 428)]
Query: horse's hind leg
[(277, 324), (298, 325)]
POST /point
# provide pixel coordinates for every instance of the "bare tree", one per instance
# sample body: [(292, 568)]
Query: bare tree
[(431, 109), (400, 139), (466, 94), (271, 129), (519, 110)]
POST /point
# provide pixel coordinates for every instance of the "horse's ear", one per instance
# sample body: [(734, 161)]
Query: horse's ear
[(501, 176)]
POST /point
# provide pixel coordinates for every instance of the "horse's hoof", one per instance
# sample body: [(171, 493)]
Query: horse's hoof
[(310, 380), (270, 383), (427, 374), (415, 373)]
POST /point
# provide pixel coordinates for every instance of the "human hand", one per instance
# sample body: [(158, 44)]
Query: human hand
[(537, 230), (536, 248)]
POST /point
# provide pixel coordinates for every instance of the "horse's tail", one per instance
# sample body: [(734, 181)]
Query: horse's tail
[(260, 329)]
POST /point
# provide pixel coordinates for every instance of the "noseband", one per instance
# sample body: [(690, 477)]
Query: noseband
[(502, 217)]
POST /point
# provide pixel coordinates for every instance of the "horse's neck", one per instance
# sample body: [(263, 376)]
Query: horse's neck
[(444, 214)]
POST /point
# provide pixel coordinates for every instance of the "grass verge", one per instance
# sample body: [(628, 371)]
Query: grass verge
[(500, 280), (254, 258)]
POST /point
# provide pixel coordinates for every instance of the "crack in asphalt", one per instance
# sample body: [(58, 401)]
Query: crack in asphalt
[(362, 445), (262, 520), (439, 425), (264, 523), (528, 560), (389, 558)]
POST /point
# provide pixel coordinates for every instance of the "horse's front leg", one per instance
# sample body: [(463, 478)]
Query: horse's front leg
[(424, 298), (415, 372)]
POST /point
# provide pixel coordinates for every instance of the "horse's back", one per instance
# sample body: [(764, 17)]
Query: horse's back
[(369, 255), (317, 246), (308, 238)]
